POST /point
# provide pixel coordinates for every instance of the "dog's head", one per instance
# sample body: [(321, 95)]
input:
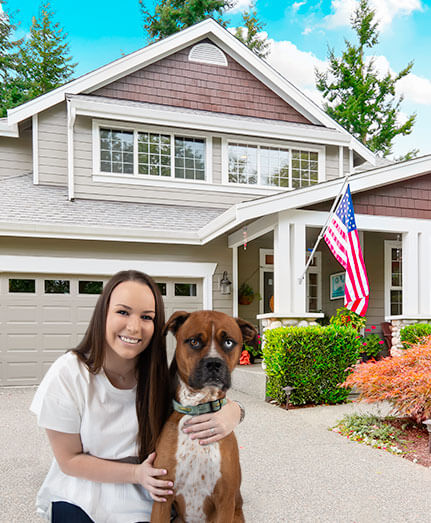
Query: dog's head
[(209, 345)]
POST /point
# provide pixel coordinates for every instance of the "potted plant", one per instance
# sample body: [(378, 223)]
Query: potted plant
[(245, 294)]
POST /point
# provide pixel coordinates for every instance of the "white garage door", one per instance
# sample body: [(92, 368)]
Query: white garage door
[(41, 316)]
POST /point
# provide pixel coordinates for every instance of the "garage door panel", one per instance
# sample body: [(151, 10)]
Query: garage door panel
[(55, 314), (21, 342), (17, 313), (59, 342), (83, 314)]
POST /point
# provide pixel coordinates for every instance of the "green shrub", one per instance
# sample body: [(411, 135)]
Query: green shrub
[(347, 318), (312, 359), (412, 334)]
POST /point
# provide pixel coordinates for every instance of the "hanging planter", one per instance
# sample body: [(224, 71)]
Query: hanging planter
[(245, 294)]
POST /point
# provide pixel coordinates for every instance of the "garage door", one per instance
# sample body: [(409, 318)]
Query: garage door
[(41, 316)]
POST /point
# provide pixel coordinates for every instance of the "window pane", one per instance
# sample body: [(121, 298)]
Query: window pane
[(159, 148), (396, 302), (185, 289), (162, 288), (274, 164), (304, 168), (57, 287), (90, 287), (18, 285), (116, 151), (242, 163), (189, 153)]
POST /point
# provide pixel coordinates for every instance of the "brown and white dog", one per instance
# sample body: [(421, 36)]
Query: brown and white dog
[(206, 478)]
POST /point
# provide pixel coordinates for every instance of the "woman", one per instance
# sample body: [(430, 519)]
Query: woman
[(103, 405)]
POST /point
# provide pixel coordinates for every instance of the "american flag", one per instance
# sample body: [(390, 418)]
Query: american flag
[(343, 240)]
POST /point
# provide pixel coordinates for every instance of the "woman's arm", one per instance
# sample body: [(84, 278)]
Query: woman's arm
[(67, 449), (209, 428)]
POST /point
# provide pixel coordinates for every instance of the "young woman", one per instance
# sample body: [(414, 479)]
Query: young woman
[(103, 405)]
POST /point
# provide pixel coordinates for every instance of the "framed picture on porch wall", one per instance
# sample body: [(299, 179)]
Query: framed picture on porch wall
[(336, 285)]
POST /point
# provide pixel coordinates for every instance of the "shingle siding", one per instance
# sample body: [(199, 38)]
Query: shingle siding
[(177, 82)]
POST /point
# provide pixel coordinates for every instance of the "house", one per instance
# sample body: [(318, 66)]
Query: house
[(193, 160)]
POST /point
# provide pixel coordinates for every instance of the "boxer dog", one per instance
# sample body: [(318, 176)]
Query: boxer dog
[(206, 478)]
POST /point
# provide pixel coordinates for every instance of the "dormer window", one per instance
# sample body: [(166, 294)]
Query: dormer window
[(145, 153)]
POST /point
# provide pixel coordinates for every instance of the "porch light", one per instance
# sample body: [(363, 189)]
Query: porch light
[(225, 284)]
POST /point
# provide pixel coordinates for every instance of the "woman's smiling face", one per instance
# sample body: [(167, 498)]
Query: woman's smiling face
[(130, 320)]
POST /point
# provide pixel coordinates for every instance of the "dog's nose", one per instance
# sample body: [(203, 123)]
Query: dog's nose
[(213, 364)]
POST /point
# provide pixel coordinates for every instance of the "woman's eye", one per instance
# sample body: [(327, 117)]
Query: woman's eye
[(146, 317), (124, 313)]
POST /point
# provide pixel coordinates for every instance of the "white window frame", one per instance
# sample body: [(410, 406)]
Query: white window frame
[(135, 128), (320, 150), (389, 245), (315, 269)]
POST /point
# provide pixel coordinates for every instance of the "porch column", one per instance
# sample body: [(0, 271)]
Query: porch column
[(282, 265), (410, 273), (424, 276), (298, 246)]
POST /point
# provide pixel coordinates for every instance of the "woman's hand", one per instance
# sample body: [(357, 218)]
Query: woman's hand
[(145, 475), (209, 428)]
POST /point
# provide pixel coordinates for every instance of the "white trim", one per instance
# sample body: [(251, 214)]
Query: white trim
[(410, 272), (409, 317), (388, 246), (351, 160), (71, 117), (7, 129), (235, 282), (264, 267), (107, 267), (255, 229), (223, 39), (340, 161), (35, 143), (305, 315)]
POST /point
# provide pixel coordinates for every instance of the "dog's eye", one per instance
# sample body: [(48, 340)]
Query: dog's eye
[(195, 343), (229, 344)]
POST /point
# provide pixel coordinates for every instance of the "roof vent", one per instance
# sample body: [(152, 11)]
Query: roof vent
[(207, 54)]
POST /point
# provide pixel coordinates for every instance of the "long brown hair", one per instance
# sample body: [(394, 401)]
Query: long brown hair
[(152, 390)]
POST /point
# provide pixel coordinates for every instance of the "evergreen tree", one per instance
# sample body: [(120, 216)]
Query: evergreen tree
[(45, 56), (10, 93), (248, 34), (171, 16), (357, 97)]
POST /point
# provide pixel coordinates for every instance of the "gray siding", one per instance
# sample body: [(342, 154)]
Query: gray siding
[(214, 252), (53, 146), (16, 156)]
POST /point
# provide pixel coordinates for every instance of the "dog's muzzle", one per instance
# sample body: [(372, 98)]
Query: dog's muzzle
[(211, 372)]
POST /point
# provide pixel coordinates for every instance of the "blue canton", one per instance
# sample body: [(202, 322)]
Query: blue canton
[(345, 211)]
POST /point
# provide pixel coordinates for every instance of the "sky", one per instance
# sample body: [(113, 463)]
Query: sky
[(300, 34)]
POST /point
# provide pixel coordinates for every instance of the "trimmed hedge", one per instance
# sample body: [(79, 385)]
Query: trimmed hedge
[(313, 360), (412, 334)]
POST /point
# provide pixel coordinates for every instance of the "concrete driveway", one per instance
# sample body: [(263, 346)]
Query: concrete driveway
[(294, 469)]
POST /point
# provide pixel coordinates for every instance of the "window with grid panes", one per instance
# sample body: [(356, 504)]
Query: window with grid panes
[(314, 287), (274, 166), (116, 151), (154, 154), (304, 168), (243, 163), (189, 158)]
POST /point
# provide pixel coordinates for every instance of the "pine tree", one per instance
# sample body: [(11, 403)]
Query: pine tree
[(357, 97), (171, 16), (45, 55), (10, 93), (248, 34)]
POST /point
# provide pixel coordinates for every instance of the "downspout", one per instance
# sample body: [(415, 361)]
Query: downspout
[(71, 117), (35, 143)]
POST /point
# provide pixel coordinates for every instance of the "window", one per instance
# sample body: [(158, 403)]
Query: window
[(185, 289), (162, 288), (272, 166), (19, 285), (116, 151), (57, 287), (393, 278), (190, 158), (143, 153), (314, 287), (90, 287)]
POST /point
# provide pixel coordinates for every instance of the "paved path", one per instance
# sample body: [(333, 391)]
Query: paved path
[(294, 469)]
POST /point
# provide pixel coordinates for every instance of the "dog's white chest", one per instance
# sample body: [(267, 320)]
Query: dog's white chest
[(197, 472)]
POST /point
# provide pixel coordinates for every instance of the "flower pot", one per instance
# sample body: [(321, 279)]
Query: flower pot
[(245, 300)]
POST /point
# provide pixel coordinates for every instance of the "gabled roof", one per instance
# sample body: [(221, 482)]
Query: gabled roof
[(155, 52)]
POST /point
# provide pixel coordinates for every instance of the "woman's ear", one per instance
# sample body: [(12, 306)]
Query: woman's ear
[(249, 332), (175, 322)]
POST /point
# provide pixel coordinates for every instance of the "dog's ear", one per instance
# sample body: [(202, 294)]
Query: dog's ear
[(175, 322), (249, 332)]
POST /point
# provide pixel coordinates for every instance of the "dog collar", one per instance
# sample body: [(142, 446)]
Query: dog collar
[(203, 408)]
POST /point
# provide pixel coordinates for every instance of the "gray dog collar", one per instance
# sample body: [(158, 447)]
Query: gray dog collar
[(203, 408)]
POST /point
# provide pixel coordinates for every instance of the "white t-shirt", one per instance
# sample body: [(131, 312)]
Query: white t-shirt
[(70, 399)]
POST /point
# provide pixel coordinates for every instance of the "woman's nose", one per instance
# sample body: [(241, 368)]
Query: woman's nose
[(132, 324)]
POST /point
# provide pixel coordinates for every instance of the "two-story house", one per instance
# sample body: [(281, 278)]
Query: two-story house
[(191, 159)]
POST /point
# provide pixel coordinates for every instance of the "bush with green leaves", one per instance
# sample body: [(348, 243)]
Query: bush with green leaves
[(347, 318), (412, 334), (313, 360)]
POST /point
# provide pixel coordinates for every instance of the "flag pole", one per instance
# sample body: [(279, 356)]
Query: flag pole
[(323, 230)]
